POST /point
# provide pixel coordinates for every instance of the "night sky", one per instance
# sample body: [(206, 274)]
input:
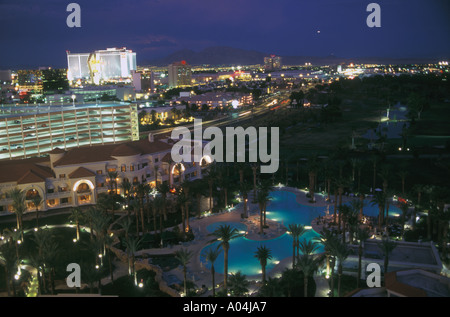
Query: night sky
[(34, 33)]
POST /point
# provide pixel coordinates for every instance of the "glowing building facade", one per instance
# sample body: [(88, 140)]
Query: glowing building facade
[(180, 74), (110, 65)]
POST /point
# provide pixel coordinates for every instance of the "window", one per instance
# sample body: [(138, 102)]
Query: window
[(123, 168), (111, 169), (156, 160), (99, 172), (132, 168), (64, 200), (135, 180), (62, 175)]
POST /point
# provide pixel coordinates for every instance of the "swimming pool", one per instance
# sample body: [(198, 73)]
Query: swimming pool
[(285, 209)]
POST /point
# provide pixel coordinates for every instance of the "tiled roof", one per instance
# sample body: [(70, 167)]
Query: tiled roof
[(25, 170), (101, 153), (125, 150), (81, 172), (31, 177)]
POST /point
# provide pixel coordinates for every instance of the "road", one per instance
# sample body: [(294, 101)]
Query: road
[(235, 118)]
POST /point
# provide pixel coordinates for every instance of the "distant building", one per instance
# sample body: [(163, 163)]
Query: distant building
[(30, 131), (29, 80), (218, 99), (5, 76), (180, 74), (110, 65), (272, 62)]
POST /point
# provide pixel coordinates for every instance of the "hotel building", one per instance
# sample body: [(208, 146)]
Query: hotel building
[(272, 62), (110, 65), (77, 176), (180, 74), (29, 131)]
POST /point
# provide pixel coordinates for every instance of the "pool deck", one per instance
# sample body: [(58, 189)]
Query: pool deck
[(201, 275)]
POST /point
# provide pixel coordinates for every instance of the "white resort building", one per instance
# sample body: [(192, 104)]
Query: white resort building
[(75, 177)]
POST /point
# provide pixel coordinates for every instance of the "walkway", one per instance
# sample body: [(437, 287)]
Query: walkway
[(201, 275)]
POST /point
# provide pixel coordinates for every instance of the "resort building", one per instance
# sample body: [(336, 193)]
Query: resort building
[(110, 65), (180, 74), (75, 177), (27, 131), (218, 99)]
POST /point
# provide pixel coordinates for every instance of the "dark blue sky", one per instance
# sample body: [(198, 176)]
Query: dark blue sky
[(35, 33)]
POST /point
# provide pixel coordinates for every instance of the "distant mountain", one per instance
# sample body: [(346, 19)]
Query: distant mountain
[(223, 55), (218, 55)]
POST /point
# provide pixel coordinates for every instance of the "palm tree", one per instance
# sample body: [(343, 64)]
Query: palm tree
[(184, 256), (386, 246), (140, 190), (312, 173), (379, 200), (211, 255), (296, 231), (262, 198), (255, 169), (403, 174), (224, 234), (341, 252), (19, 206), (238, 284), (362, 234), (127, 187), (8, 257), (244, 188), (327, 238), (308, 265), (37, 202), (112, 175), (307, 247), (77, 215), (133, 245), (263, 254)]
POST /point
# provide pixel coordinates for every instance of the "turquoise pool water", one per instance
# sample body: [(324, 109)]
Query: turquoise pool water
[(284, 209)]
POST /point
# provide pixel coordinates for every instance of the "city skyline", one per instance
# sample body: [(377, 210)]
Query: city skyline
[(154, 29)]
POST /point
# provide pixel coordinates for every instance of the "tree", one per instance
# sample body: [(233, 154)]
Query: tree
[(19, 206), (37, 202), (224, 234), (379, 200), (133, 245), (244, 189), (8, 257), (184, 256), (386, 246), (307, 247), (362, 234), (112, 175), (308, 265), (77, 216), (296, 231), (263, 254), (238, 284), (262, 198), (211, 255), (341, 252)]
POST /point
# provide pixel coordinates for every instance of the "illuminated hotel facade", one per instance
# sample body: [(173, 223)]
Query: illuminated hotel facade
[(76, 177), (180, 74), (110, 65), (35, 130)]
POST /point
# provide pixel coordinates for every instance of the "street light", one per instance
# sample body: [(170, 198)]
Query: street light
[(73, 100)]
